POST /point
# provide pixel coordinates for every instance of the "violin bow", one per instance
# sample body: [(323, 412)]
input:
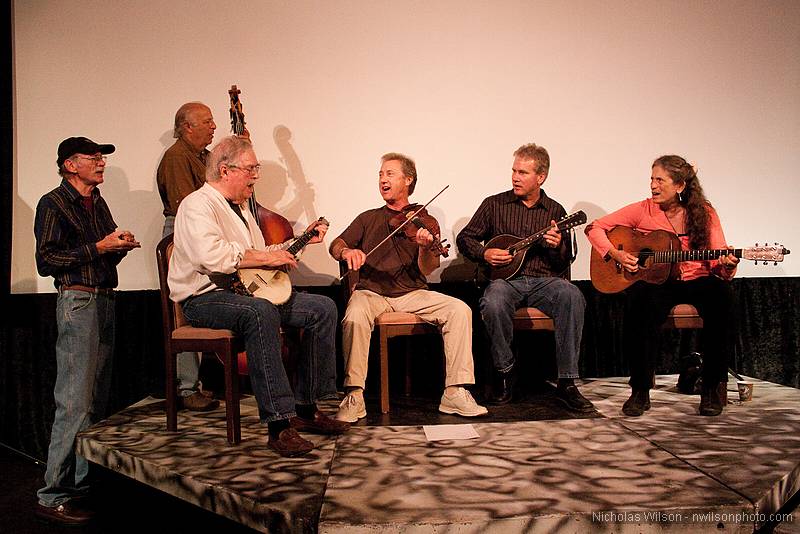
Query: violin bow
[(409, 218)]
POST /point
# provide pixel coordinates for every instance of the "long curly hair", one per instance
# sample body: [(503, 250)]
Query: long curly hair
[(693, 199)]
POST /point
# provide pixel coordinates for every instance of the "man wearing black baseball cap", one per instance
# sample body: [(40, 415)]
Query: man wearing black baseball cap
[(80, 145), (79, 245)]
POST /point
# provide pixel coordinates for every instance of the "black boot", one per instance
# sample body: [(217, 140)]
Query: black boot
[(502, 390), (713, 399), (637, 403)]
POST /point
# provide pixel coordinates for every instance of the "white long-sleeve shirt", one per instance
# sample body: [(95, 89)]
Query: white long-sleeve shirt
[(209, 239)]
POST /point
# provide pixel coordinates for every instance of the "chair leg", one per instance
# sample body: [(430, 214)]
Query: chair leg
[(384, 368), (232, 413), (171, 392)]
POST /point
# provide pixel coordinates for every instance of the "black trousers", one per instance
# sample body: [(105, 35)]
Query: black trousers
[(647, 307)]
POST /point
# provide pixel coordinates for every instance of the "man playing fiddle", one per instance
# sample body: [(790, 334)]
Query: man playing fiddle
[(392, 278), (215, 234), (541, 282)]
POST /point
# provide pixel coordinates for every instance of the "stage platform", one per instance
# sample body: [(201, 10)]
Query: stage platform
[(668, 470)]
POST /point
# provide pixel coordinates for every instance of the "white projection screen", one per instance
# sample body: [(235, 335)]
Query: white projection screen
[(328, 87)]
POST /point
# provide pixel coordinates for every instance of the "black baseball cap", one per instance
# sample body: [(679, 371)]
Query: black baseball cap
[(80, 145)]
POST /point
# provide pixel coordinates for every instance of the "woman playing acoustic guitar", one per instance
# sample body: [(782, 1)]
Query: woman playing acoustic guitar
[(678, 212)]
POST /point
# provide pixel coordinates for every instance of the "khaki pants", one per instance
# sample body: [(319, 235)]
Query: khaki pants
[(450, 314)]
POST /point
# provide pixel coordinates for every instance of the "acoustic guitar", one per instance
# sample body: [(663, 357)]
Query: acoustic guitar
[(519, 247), (274, 284), (658, 255)]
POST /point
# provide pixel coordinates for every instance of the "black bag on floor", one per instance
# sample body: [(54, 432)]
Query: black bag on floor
[(690, 378)]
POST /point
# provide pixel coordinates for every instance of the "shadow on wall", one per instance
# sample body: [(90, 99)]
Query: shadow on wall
[(275, 182)]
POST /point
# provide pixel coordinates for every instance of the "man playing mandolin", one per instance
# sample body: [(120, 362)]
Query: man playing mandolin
[(215, 234), (541, 279), (678, 206), (393, 279)]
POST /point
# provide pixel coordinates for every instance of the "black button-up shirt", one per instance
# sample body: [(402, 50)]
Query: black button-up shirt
[(66, 236), (504, 213)]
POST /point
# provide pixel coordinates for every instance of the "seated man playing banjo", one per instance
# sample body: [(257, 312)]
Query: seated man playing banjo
[(535, 273), (215, 236)]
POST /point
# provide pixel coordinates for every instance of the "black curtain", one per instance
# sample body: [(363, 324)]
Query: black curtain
[(768, 348)]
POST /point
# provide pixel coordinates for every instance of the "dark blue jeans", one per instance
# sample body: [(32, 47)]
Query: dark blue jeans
[(556, 297), (259, 322)]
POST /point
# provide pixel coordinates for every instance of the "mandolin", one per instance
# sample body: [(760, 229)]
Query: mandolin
[(659, 253), (519, 247)]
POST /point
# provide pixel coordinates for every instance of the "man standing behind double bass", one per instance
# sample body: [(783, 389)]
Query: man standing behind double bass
[(182, 171)]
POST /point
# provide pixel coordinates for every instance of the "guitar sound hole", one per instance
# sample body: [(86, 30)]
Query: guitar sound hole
[(645, 255)]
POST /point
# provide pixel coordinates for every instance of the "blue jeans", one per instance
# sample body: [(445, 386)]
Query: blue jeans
[(556, 297), (188, 363), (83, 354), (259, 322)]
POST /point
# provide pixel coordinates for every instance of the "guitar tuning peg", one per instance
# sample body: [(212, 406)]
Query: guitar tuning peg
[(776, 263), (765, 263)]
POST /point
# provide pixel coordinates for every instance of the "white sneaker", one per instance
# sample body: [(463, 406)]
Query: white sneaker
[(462, 404), (352, 408)]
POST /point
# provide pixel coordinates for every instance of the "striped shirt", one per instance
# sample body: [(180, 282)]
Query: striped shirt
[(66, 236), (504, 213)]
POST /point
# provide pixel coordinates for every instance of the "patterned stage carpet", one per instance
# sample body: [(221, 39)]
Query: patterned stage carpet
[(668, 470)]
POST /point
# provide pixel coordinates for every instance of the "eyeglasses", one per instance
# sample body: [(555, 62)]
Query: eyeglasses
[(96, 159), (251, 169)]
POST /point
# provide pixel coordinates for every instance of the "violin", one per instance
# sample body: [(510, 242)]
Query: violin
[(274, 227), (421, 220)]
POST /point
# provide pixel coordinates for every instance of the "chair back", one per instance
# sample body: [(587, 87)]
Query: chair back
[(171, 312)]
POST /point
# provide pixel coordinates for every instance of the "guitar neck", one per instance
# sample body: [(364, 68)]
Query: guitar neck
[(674, 256)]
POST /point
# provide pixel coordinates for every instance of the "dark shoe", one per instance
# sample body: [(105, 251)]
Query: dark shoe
[(64, 514), (503, 387), (572, 398), (713, 399), (637, 403), (289, 443), (199, 402), (321, 424)]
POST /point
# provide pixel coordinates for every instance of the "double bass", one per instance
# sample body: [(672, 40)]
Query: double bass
[(274, 227)]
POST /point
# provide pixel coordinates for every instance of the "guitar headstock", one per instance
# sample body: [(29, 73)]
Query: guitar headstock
[(765, 253), (571, 221)]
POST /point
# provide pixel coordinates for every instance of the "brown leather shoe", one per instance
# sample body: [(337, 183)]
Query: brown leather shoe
[(198, 402), (321, 424), (64, 514), (289, 443), (713, 399)]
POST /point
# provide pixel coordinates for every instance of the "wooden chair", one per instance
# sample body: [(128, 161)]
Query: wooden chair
[(684, 316), (387, 326), (181, 337)]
